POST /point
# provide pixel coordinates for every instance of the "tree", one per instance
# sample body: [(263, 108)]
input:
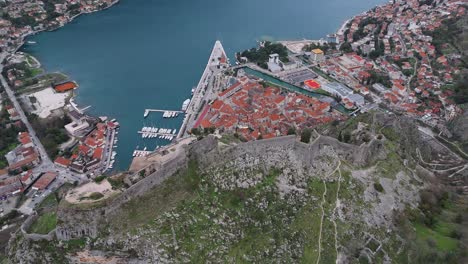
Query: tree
[(340, 137), (305, 135), (347, 137), (291, 131), (378, 187), (461, 90), (261, 55), (346, 47), (195, 131)]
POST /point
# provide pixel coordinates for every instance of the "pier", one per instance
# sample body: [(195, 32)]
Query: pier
[(148, 111), (156, 133)]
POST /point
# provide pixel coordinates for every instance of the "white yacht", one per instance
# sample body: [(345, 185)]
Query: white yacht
[(185, 105)]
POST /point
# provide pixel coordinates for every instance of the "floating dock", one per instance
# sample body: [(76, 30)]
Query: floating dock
[(157, 134), (141, 153)]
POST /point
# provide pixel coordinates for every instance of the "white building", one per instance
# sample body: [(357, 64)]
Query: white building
[(337, 89), (291, 65), (274, 63), (76, 126), (356, 99)]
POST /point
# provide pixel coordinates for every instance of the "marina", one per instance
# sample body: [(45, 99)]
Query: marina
[(150, 132)]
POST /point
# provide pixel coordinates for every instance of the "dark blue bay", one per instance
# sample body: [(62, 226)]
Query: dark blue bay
[(150, 53)]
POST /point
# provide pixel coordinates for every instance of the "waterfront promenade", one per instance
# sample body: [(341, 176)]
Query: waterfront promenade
[(203, 91)]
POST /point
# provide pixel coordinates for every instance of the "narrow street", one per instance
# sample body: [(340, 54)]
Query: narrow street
[(46, 163), (42, 152)]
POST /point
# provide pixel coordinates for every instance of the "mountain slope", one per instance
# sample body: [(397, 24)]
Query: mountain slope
[(278, 200)]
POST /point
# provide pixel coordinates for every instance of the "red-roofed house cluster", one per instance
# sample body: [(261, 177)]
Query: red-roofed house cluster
[(397, 40), (88, 155), (12, 185), (253, 111), (18, 175), (24, 156)]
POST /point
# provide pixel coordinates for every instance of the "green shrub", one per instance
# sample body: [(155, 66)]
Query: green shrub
[(305, 135), (99, 179), (95, 196), (378, 187)]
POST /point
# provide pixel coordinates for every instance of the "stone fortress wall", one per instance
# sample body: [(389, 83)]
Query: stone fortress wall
[(32, 236), (275, 152)]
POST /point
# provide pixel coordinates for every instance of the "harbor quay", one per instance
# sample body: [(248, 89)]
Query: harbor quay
[(217, 62)]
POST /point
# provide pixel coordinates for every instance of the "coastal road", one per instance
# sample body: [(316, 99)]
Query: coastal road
[(42, 152), (46, 164)]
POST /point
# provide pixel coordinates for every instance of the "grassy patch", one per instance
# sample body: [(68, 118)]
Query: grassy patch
[(144, 209), (116, 182), (30, 60), (3, 152), (49, 252), (34, 72), (308, 221), (443, 242), (99, 179), (328, 254), (93, 196), (389, 167), (390, 134), (49, 202), (229, 139), (316, 187), (75, 244), (45, 223), (249, 245)]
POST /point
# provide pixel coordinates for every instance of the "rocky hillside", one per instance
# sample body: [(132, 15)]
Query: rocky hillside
[(373, 190)]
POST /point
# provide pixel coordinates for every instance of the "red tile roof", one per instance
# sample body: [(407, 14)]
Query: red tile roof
[(62, 161), (83, 149), (45, 180), (203, 114), (217, 104), (26, 176), (24, 162), (97, 153), (24, 138), (65, 87), (234, 86)]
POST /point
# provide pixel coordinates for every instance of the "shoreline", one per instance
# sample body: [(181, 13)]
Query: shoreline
[(23, 38), (23, 41), (69, 101), (343, 26)]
